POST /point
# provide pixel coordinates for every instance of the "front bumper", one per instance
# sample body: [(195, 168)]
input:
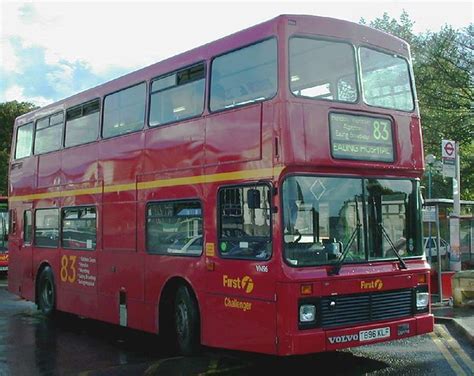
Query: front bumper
[(319, 340)]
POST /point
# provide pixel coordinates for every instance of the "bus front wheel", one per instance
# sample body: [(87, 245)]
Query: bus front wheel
[(186, 319), (46, 292)]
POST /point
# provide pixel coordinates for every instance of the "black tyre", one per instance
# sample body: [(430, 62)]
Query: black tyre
[(46, 292), (187, 323)]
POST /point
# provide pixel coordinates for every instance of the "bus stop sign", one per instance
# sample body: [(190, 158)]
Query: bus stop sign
[(448, 153), (448, 149)]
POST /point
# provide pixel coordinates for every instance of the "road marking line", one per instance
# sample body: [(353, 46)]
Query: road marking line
[(456, 347), (152, 369), (447, 355), (222, 370), (213, 365)]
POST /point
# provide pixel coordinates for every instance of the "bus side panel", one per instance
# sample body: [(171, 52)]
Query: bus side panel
[(121, 278), (292, 137), (239, 304), (239, 323), (79, 164), (175, 146), (49, 170), (292, 339), (14, 260), (22, 177), (119, 229), (121, 161), (224, 129)]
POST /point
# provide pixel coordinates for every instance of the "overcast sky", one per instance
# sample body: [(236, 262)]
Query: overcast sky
[(51, 50)]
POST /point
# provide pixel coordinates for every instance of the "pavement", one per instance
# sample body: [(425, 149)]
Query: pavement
[(461, 317)]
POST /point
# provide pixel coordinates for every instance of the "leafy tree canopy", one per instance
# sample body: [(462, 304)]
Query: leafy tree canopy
[(442, 63)]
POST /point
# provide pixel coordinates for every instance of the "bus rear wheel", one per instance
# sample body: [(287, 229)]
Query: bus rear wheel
[(186, 320), (46, 292)]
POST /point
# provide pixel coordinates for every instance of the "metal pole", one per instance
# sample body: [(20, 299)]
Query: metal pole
[(438, 246), (429, 223), (429, 180), (455, 259)]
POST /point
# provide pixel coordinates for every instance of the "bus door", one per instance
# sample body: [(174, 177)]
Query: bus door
[(3, 237), (241, 286), (23, 260)]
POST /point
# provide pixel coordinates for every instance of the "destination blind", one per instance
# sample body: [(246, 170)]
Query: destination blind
[(361, 138)]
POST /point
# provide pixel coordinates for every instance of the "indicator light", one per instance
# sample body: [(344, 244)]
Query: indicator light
[(306, 289), (421, 278)]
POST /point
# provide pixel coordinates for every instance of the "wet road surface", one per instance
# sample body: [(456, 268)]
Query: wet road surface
[(30, 344)]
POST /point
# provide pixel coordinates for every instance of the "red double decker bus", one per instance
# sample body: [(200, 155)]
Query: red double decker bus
[(3, 234), (258, 193)]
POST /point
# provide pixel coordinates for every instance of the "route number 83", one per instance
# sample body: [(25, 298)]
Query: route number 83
[(380, 131), (68, 268)]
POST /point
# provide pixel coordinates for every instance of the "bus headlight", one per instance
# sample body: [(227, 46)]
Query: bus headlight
[(422, 298), (307, 313)]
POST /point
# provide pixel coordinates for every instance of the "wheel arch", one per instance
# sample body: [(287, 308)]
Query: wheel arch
[(165, 303), (43, 265)]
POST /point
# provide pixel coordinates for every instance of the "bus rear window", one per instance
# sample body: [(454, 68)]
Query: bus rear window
[(322, 69), (385, 80), (24, 141), (244, 76)]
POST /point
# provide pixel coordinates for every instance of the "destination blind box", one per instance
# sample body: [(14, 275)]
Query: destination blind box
[(363, 138)]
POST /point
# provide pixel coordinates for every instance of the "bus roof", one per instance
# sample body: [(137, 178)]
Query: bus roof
[(346, 29)]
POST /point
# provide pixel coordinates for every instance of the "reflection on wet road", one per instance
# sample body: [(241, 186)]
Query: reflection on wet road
[(30, 344)]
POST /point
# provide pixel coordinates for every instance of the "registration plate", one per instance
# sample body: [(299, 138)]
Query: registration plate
[(369, 335), (3, 268)]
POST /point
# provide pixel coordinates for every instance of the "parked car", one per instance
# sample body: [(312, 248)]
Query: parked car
[(443, 249), (191, 246)]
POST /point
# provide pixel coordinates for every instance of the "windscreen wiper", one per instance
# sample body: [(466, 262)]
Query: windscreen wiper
[(387, 237), (340, 261), (392, 246)]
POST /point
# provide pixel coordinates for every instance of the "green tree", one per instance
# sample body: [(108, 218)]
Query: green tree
[(8, 112), (442, 63)]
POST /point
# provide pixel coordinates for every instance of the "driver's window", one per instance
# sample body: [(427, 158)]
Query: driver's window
[(244, 219)]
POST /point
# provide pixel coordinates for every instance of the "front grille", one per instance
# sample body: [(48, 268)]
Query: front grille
[(344, 310)]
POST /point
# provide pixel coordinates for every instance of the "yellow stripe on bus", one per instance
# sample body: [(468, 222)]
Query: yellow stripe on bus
[(172, 182)]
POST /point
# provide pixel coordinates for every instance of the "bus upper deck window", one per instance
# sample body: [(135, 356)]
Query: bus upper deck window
[(386, 80), (322, 69), (244, 76), (178, 95), (24, 141)]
